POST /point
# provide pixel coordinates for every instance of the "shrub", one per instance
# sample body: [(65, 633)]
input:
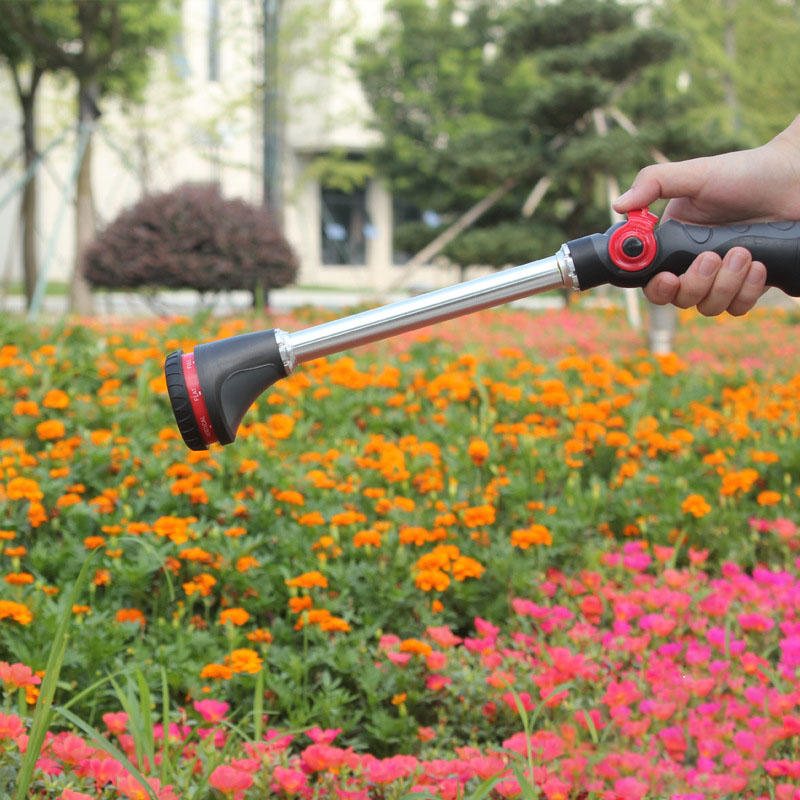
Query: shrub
[(191, 238)]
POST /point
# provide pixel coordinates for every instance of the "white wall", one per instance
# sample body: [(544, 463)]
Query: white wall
[(194, 129)]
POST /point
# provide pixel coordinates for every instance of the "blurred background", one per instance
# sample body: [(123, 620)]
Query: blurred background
[(236, 147)]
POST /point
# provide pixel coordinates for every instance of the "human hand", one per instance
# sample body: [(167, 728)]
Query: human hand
[(743, 186)]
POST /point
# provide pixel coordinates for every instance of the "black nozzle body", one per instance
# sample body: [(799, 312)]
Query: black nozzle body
[(211, 389)]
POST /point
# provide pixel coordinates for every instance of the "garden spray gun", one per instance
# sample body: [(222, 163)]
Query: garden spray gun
[(212, 387)]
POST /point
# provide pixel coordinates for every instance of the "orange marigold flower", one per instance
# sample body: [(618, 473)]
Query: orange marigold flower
[(308, 580), (311, 519), (260, 636), (532, 535), (347, 518), (68, 499), (245, 660), (414, 534), (93, 542), (416, 647), (367, 538), (196, 554), (216, 672), (768, 498), (36, 514), (740, 481), (16, 552), (100, 436), (476, 516), (130, 615), (478, 451), (201, 584), (19, 579), (19, 612), (432, 580), (56, 398), (280, 426), (247, 466), (26, 408), (399, 699), (696, 505), (465, 567), (245, 563), (102, 577), (236, 616), (50, 429), (235, 532), (23, 489), (290, 496), (300, 604)]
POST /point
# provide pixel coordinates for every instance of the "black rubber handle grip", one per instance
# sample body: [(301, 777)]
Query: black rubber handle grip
[(776, 244)]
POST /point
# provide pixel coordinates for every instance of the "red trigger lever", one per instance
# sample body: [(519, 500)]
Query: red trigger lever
[(633, 246)]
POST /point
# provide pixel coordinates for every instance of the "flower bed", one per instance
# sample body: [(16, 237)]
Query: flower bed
[(415, 553)]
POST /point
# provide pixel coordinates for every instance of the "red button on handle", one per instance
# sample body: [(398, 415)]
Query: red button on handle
[(632, 246)]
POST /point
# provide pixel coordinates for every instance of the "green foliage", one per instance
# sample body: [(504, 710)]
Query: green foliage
[(466, 97), (117, 39), (736, 72), (603, 445)]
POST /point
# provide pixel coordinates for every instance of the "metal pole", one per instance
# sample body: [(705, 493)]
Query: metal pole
[(272, 195)]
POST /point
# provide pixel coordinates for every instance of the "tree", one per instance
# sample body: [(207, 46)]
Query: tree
[(26, 73), (107, 48), (471, 95), (738, 66)]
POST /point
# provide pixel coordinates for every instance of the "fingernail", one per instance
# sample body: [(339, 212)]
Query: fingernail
[(737, 261), (622, 198), (755, 276), (707, 266)]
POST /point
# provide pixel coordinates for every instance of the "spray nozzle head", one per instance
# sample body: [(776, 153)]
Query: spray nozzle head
[(211, 388)]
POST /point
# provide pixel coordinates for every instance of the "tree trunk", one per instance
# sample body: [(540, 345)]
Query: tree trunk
[(728, 76), (28, 208), (80, 293)]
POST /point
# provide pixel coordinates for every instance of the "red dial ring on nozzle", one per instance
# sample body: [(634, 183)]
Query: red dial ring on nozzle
[(198, 403), (633, 246)]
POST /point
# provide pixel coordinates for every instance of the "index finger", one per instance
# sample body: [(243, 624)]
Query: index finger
[(678, 179)]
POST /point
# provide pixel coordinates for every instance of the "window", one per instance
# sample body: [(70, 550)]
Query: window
[(345, 227), (213, 40)]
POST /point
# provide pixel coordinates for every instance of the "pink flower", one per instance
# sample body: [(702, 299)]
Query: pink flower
[(323, 736), (229, 780), (443, 636), (388, 770), (291, 781), (71, 794), (211, 710), (16, 676), (11, 726), (70, 748), (116, 722), (630, 789)]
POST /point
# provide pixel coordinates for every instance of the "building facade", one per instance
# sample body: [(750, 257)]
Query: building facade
[(204, 119)]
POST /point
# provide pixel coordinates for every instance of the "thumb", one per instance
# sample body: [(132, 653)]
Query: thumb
[(678, 179)]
